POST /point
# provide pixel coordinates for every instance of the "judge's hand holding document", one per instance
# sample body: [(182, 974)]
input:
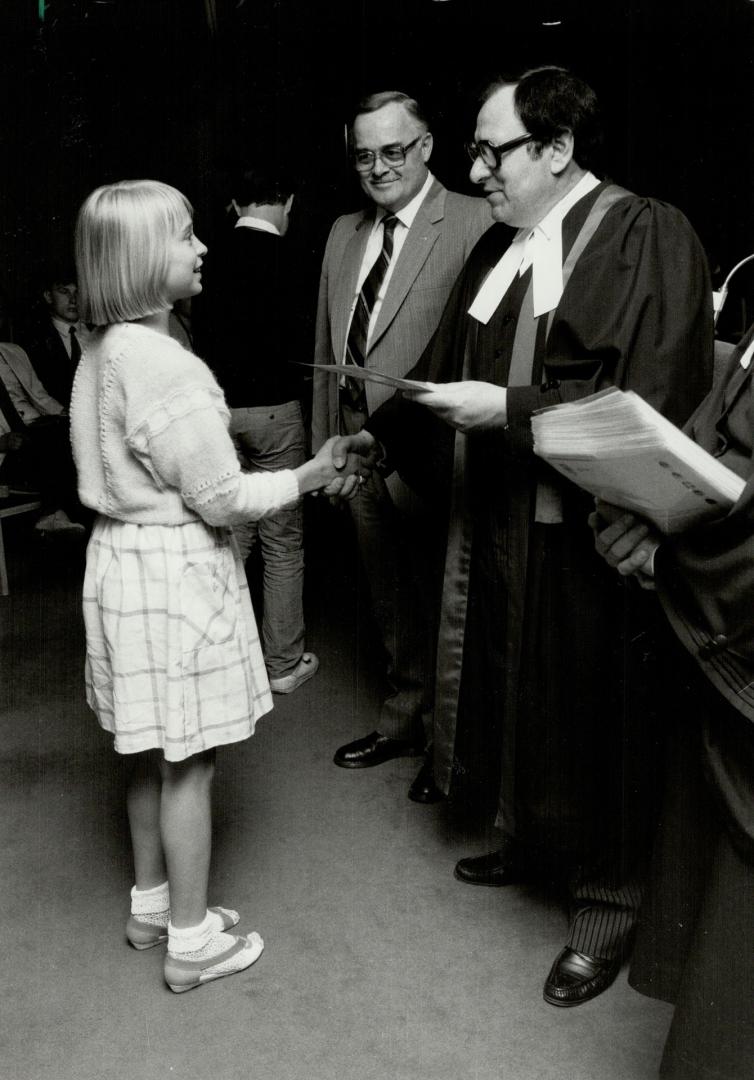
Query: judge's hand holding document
[(625, 541), (467, 406)]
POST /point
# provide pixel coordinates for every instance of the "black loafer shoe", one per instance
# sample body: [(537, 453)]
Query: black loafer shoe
[(497, 868), (575, 978), (372, 750), (424, 789)]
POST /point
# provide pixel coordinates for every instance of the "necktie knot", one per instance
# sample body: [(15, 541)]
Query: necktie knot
[(388, 224), (388, 228)]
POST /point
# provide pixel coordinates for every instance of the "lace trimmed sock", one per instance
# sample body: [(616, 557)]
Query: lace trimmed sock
[(152, 905), (150, 915)]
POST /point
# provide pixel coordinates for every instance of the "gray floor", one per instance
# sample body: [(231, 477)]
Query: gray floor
[(378, 964)]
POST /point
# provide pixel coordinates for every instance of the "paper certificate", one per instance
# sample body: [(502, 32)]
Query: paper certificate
[(615, 445), (352, 371)]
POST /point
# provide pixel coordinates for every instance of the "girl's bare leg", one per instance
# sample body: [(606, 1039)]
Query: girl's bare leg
[(143, 801), (186, 831)]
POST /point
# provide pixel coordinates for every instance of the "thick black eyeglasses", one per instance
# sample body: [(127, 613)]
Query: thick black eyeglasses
[(363, 160), (492, 155)]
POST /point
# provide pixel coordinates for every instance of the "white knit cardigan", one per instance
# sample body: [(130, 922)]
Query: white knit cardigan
[(149, 428)]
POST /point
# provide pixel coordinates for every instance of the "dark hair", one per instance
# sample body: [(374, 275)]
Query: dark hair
[(261, 186), (57, 273), (549, 100), (373, 102)]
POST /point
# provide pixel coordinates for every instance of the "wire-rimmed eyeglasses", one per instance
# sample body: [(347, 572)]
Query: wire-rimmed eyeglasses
[(393, 155), (492, 155)]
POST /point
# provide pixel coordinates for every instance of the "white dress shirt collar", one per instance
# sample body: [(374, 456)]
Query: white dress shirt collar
[(407, 213), (541, 248), (257, 223), (64, 329)]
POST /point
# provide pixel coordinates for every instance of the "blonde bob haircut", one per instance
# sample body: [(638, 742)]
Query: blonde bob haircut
[(122, 236)]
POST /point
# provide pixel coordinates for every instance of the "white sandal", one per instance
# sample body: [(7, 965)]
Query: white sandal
[(182, 973)]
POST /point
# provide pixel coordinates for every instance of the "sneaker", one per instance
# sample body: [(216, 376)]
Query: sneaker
[(58, 522), (184, 973), (304, 669)]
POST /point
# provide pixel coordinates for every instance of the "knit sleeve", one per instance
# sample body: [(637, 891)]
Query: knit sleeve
[(183, 443)]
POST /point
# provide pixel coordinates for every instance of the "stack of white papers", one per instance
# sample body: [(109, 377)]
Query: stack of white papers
[(614, 445)]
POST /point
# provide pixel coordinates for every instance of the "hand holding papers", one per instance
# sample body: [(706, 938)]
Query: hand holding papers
[(627, 543), (616, 446), (467, 406)]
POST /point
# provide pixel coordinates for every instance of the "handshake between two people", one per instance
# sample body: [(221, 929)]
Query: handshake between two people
[(344, 462), (340, 466)]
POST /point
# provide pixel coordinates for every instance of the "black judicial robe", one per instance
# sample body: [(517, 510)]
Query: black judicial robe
[(694, 941), (533, 659)]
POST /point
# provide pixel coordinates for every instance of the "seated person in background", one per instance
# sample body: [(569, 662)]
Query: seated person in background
[(34, 435), (696, 926), (55, 338), (255, 324)]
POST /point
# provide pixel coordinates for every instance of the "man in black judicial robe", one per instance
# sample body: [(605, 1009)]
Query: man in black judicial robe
[(544, 661)]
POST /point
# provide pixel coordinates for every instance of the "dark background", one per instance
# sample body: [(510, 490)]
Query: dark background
[(99, 90)]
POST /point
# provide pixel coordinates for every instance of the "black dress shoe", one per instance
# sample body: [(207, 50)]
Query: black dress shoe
[(424, 789), (498, 868), (373, 750), (575, 978)]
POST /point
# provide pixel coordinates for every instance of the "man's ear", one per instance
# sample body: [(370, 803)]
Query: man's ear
[(562, 151), (289, 204), (427, 144), (47, 294)]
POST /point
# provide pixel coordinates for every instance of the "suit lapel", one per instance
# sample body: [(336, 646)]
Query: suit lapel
[(348, 278), (420, 240)]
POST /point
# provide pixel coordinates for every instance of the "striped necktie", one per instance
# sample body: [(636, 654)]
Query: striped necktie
[(356, 343), (75, 348)]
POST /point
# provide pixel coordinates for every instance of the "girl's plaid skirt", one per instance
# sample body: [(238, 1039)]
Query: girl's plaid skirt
[(173, 655)]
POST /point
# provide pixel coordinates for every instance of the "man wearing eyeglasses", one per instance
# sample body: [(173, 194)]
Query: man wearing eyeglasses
[(545, 691), (386, 276)]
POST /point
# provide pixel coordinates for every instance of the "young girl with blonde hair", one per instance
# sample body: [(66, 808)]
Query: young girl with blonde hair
[(174, 666)]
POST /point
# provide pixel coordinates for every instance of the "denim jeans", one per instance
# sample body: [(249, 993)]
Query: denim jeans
[(271, 437)]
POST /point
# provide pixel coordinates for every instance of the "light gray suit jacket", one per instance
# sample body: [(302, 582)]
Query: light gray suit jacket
[(443, 233)]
